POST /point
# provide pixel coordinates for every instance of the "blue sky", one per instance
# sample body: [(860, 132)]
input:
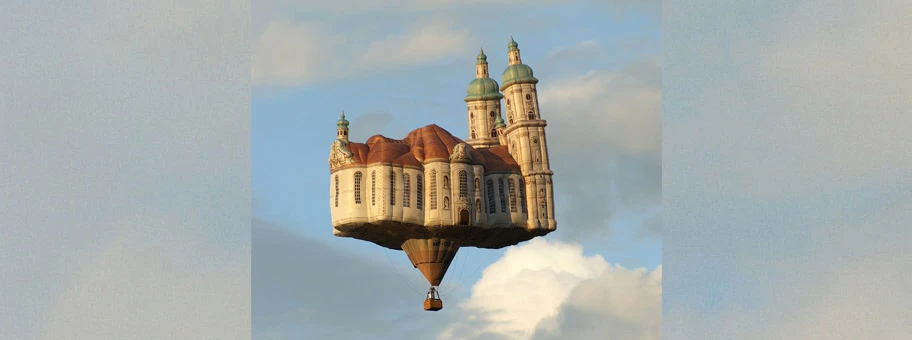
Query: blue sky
[(598, 65)]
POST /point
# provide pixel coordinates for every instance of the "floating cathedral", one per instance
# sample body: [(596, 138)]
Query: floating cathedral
[(431, 192)]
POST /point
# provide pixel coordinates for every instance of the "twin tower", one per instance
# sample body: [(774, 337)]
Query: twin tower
[(523, 133)]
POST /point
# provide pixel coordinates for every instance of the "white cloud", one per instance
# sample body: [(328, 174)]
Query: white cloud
[(620, 304), (535, 285), (424, 44), (291, 53), (625, 107)]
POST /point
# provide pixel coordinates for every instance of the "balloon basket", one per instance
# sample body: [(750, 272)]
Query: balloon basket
[(433, 305)]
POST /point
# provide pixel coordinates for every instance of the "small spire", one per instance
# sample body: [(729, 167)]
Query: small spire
[(513, 46), (499, 122), (482, 58), (342, 123)]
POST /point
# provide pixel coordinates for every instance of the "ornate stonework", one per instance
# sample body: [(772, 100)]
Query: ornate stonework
[(461, 153), (339, 155)]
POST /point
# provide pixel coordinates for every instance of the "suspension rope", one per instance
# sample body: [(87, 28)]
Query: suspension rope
[(456, 284), (385, 252)]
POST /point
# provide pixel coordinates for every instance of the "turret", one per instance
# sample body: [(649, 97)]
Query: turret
[(342, 128), (483, 103)]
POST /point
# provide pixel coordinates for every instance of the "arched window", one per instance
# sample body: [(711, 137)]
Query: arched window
[(493, 133), (511, 119), (503, 197), (374, 187), (337, 191), (478, 206), (446, 203), (492, 114), (491, 207), (446, 182), (392, 188), (471, 115), (358, 187), (522, 196), (406, 190), (508, 102), (473, 134), (433, 189), (528, 96), (531, 115), (419, 192), (463, 184), (477, 185), (512, 195)]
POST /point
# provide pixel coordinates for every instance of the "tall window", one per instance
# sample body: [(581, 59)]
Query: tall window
[(478, 206), (406, 190), (477, 185), (544, 209), (374, 187), (491, 207), (522, 196), (512, 195), (358, 187), (392, 188), (419, 192), (493, 133), (446, 182), (337, 190), (503, 197), (463, 184), (433, 189)]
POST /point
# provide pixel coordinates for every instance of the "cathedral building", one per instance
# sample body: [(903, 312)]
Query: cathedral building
[(490, 190)]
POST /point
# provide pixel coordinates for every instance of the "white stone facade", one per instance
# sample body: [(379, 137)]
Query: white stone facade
[(388, 193), (457, 192)]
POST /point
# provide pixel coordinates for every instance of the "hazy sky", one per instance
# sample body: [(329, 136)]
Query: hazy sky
[(128, 159), (406, 64)]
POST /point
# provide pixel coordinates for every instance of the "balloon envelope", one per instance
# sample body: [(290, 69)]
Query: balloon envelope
[(432, 256)]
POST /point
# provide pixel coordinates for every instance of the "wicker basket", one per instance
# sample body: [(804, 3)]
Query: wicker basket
[(433, 305)]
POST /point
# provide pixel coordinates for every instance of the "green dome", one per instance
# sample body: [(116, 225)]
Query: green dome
[(342, 123), (519, 73), (482, 89)]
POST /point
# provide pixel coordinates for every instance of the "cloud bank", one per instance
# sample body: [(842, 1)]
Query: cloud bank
[(550, 290), (610, 122)]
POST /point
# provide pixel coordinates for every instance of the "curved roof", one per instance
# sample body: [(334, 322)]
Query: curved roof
[(481, 89), (518, 73), (425, 144)]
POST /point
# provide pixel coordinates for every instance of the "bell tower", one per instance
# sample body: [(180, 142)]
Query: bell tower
[(525, 137), (483, 103)]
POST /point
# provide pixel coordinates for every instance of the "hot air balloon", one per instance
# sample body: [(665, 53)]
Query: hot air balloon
[(430, 193)]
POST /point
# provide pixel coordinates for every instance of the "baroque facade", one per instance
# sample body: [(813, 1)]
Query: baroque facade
[(497, 179)]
